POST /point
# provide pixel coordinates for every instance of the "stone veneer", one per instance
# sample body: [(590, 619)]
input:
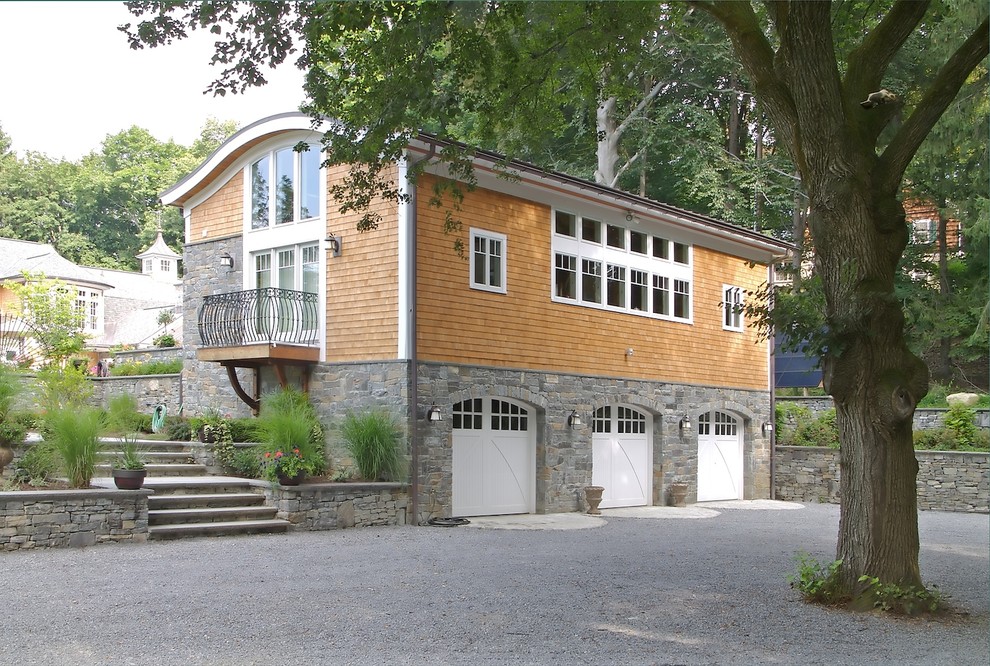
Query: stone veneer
[(46, 519), (149, 391), (947, 480), (333, 506)]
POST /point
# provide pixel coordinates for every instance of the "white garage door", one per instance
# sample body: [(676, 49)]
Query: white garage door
[(720, 468), (621, 460), (494, 458)]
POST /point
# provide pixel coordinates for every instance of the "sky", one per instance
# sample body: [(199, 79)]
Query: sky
[(68, 79)]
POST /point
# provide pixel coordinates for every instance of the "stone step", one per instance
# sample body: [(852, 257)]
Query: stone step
[(199, 515), (216, 529), (192, 500), (153, 457), (197, 485), (162, 469)]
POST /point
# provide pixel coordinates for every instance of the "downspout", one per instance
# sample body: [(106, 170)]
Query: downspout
[(771, 365), (412, 249)]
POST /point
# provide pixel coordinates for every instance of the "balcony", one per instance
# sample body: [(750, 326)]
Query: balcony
[(260, 327)]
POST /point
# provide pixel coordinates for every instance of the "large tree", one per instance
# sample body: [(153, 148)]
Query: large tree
[(386, 69)]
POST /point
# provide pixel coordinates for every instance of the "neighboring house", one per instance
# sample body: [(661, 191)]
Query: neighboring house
[(582, 340), (120, 307)]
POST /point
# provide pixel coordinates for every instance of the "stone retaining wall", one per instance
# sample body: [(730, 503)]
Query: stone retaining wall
[(58, 518), (947, 480), (332, 506), (925, 418), (149, 391)]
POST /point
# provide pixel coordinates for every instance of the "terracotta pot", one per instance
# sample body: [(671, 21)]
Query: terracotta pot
[(593, 494)]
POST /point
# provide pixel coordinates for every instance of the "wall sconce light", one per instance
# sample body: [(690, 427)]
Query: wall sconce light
[(767, 429), (434, 414), (629, 352), (333, 244), (574, 420), (227, 261), (685, 423)]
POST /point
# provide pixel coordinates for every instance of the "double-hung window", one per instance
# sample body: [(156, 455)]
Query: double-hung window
[(608, 265), (285, 187), (732, 301), (487, 261)]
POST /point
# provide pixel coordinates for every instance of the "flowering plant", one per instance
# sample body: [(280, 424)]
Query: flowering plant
[(284, 463)]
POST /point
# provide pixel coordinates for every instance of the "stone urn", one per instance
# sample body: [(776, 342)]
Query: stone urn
[(678, 494), (593, 494)]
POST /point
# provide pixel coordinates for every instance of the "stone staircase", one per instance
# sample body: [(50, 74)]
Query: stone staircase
[(188, 502)]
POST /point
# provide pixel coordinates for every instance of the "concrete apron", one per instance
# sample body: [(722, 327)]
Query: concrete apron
[(582, 521)]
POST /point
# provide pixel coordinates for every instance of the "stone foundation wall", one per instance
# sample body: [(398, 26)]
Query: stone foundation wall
[(332, 506), (58, 518), (947, 480)]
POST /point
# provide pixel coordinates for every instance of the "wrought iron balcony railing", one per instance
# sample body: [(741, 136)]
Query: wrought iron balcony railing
[(259, 316)]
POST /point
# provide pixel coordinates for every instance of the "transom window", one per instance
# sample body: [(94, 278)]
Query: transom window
[(487, 261), (285, 187), (724, 425), (504, 416), (627, 421), (607, 265), (732, 300)]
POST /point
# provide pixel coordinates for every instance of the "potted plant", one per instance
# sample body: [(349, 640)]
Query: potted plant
[(287, 427), (128, 469)]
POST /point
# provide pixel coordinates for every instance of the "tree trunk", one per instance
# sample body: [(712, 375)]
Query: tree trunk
[(944, 370), (876, 383), (608, 143)]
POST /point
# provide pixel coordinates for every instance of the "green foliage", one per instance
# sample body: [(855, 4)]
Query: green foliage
[(961, 421), (75, 434), (122, 414), (892, 598), (63, 388), (246, 463), (818, 582), (244, 430), (164, 340), (178, 429), (373, 440), (49, 308), (945, 439), (130, 369), (12, 426), (39, 463), (936, 395), (291, 434), (808, 430)]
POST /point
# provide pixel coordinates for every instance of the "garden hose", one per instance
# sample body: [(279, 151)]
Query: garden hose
[(448, 522), (158, 418)]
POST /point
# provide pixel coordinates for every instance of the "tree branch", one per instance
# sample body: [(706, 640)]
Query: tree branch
[(869, 61), (933, 104), (643, 103)]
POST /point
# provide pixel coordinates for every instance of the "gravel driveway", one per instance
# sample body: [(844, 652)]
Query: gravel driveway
[(636, 590)]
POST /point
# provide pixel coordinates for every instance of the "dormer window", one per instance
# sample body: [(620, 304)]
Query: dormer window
[(285, 187)]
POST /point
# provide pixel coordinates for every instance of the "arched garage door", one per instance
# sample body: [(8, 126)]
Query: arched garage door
[(622, 460), (494, 458), (720, 459)]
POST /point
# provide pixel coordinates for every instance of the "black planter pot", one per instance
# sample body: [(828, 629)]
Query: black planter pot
[(286, 480), (129, 479)]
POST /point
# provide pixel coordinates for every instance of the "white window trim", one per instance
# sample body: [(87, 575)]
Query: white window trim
[(625, 258), (731, 297), (500, 238)]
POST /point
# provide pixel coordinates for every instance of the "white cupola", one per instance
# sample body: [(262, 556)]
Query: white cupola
[(160, 261)]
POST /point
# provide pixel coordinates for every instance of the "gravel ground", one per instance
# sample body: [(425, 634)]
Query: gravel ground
[(633, 591)]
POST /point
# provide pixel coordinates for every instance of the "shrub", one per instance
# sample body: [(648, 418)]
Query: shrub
[(122, 414), (788, 415), (63, 388), (373, 440), (75, 434), (811, 431), (936, 395), (131, 369), (244, 430), (38, 464), (164, 340), (892, 598), (246, 463), (960, 420), (178, 429)]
